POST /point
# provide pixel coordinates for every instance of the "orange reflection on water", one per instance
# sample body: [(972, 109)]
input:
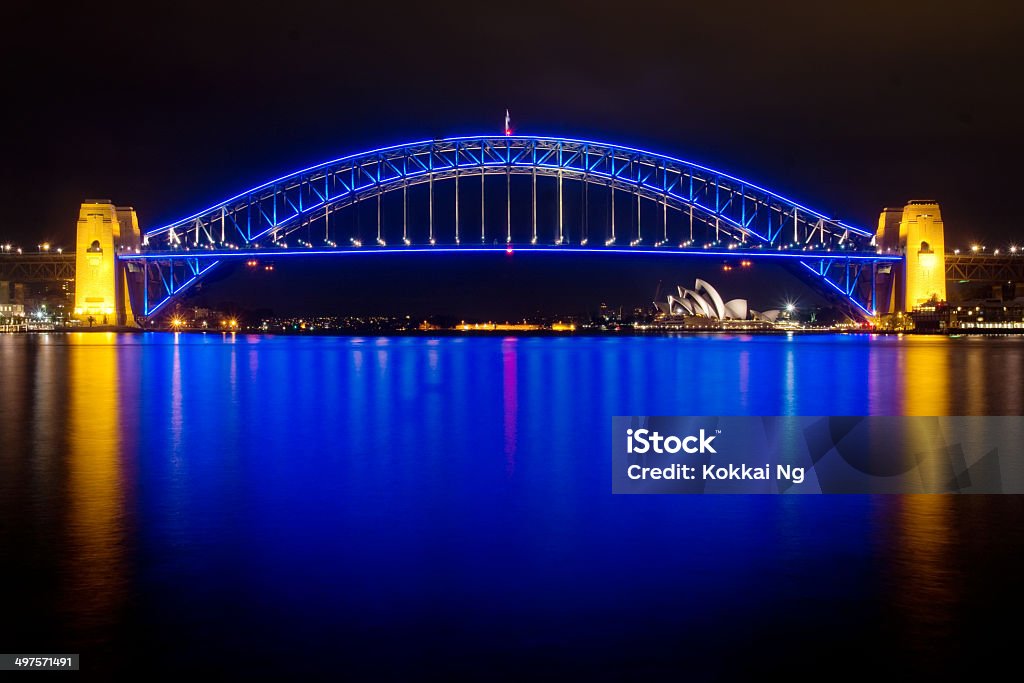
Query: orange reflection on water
[(96, 506), (922, 577), (924, 374)]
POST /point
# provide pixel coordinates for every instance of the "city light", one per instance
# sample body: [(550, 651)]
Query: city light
[(177, 322), (974, 248)]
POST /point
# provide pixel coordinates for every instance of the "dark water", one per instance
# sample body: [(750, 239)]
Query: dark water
[(400, 508)]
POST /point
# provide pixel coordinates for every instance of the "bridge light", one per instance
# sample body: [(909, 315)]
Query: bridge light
[(1013, 248), (956, 251), (60, 250), (974, 248), (996, 252)]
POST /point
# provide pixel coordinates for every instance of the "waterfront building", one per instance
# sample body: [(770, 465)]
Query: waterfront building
[(704, 308), (972, 317), (12, 317)]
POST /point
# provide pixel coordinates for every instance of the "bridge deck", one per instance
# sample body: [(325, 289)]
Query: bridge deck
[(639, 250)]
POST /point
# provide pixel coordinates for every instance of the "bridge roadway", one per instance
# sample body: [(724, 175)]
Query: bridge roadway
[(41, 268), (30, 268)]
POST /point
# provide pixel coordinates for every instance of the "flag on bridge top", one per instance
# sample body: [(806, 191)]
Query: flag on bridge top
[(508, 123)]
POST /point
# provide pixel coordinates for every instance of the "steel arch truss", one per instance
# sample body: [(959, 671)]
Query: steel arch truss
[(850, 284), (736, 210), (165, 278), (737, 216)]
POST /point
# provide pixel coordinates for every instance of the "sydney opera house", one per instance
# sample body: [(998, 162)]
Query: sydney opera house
[(703, 307)]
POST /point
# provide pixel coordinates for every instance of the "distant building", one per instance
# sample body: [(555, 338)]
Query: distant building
[(12, 313), (703, 307), (12, 317)]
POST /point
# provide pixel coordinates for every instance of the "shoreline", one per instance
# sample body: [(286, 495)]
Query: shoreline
[(527, 333)]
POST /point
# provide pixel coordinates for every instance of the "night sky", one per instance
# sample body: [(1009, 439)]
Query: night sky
[(172, 107)]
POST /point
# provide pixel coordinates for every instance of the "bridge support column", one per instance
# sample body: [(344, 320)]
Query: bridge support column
[(917, 232), (101, 281)]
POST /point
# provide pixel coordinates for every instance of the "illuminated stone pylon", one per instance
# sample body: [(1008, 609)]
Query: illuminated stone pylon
[(101, 288), (916, 231)]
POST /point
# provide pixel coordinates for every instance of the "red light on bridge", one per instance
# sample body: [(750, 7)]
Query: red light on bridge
[(508, 249)]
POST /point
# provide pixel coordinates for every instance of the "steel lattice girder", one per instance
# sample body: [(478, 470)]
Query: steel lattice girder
[(985, 268), (165, 278), (849, 283), (37, 268), (744, 211)]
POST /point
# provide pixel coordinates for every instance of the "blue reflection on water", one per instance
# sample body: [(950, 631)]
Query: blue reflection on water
[(462, 485)]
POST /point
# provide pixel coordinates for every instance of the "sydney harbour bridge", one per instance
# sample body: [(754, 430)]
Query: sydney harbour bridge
[(511, 193)]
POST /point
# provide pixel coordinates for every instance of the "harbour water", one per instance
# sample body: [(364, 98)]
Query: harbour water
[(402, 507)]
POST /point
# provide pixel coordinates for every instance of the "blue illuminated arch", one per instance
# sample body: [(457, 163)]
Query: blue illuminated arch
[(836, 258), (736, 208)]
